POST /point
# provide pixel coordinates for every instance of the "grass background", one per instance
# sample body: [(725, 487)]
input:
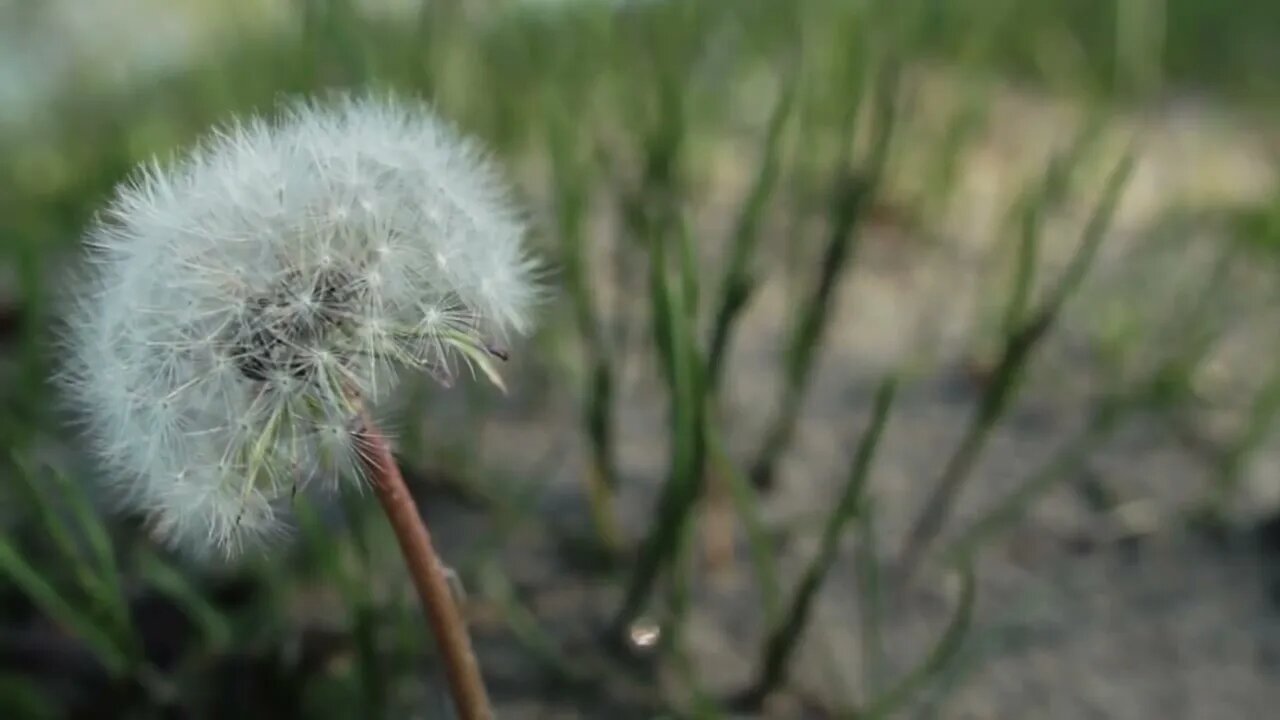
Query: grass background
[(683, 164)]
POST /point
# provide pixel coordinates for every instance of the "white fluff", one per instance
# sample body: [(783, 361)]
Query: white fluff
[(245, 298)]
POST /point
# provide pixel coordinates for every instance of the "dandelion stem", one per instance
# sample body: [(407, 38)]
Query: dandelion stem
[(427, 571)]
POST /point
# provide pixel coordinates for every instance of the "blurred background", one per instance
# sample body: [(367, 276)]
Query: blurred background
[(906, 358)]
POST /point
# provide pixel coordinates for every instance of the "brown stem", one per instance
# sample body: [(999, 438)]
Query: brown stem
[(465, 681)]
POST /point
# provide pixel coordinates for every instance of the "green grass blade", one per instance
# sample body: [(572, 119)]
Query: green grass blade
[(52, 604), (853, 194), (1032, 213), (1013, 506), (572, 200), (871, 600), (783, 639), (1019, 346), (747, 505), (736, 285), (655, 219), (101, 585), (683, 487), (1094, 233), (104, 554), (948, 646), (21, 698), (528, 630), (356, 596), (168, 580)]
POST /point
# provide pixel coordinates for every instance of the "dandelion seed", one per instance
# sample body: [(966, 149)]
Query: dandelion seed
[(245, 303)]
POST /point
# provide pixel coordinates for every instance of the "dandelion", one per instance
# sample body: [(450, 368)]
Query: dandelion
[(248, 304), (247, 301)]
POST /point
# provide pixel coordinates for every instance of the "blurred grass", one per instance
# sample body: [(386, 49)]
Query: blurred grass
[(852, 505), (1025, 330), (613, 117)]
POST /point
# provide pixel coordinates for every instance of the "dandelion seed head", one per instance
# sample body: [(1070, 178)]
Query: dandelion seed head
[(244, 302)]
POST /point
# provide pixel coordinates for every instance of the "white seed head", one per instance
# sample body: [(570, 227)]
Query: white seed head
[(246, 300)]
